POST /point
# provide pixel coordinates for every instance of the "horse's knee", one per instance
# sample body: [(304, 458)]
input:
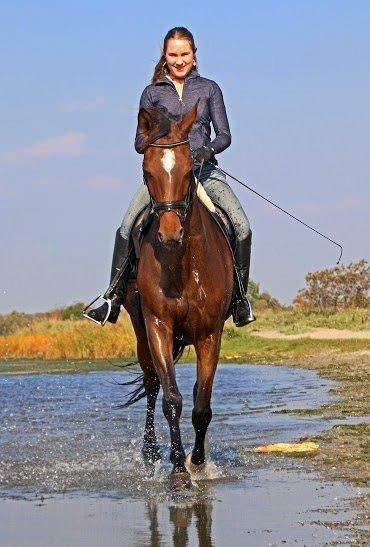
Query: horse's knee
[(172, 405)]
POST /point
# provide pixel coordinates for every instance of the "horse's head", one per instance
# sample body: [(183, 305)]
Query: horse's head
[(168, 169)]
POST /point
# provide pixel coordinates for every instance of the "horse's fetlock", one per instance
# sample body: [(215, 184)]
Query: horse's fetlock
[(198, 456), (201, 417)]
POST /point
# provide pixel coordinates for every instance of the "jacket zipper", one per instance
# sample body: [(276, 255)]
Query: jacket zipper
[(178, 95)]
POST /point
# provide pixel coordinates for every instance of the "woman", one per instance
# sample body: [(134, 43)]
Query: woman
[(177, 86)]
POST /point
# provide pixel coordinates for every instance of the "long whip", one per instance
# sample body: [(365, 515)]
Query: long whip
[(280, 208)]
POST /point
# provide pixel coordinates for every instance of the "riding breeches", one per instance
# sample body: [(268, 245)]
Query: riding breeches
[(214, 183)]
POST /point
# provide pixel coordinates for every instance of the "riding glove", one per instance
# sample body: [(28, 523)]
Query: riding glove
[(203, 154)]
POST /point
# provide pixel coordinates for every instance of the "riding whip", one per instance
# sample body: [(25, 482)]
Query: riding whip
[(280, 209)]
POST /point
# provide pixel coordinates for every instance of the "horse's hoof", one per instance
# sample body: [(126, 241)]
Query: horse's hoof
[(193, 468), (180, 481)]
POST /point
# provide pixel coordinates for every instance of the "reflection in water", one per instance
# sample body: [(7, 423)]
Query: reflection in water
[(152, 512), (181, 517)]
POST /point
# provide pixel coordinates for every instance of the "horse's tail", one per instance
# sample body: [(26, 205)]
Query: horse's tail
[(139, 391)]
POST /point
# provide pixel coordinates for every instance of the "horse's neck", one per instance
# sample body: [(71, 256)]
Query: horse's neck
[(196, 231)]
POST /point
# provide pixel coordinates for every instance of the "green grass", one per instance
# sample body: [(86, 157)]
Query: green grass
[(291, 321), (33, 366)]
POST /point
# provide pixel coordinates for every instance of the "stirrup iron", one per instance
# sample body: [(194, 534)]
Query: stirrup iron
[(91, 306)]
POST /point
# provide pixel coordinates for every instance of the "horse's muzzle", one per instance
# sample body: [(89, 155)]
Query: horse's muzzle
[(173, 240), (170, 229)]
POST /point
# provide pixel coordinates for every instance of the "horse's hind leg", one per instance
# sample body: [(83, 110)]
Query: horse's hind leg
[(207, 358), (150, 450)]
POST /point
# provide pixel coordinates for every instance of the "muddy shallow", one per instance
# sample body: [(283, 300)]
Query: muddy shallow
[(61, 434)]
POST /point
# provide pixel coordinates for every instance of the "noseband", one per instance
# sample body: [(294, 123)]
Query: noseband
[(176, 204)]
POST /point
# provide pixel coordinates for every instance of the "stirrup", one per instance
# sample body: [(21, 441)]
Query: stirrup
[(91, 306)]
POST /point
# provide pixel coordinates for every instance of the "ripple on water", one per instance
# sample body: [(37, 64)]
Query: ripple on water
[(62, 432)]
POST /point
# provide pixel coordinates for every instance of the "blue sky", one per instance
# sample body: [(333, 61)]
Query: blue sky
[(295, 78)]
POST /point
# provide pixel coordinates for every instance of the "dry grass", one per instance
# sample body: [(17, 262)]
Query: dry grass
[(53, 339), (50, 338)]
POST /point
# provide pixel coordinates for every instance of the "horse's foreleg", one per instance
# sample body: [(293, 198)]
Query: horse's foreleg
[(207, 357), (160, 339)]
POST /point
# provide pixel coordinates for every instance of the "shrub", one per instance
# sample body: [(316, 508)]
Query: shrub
[(263, 300), (338, 287), (13, 321), (74, 311)]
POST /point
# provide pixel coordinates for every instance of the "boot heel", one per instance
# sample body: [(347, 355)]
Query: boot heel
[(243, 313)]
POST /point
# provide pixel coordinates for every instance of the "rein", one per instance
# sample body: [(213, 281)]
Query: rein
[(169, 145), (175, 204)]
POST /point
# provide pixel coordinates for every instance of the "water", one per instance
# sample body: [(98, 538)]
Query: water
[(61, 434)]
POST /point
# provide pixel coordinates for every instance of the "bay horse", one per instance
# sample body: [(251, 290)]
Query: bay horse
[(185, 280)]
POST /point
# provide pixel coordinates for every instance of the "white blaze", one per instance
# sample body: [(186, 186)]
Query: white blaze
[(168, 161)]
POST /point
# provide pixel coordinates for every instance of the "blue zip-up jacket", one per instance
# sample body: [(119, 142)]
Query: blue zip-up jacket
[(211, 108)]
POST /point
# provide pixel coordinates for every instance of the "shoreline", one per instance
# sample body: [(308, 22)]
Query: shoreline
[(345, 445), (344, 449)]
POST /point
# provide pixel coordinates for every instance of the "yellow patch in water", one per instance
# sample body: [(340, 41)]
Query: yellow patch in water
[(303, 446)]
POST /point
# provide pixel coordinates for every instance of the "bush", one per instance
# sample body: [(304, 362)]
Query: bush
[(11, 322), (336, 288), (263, 300), (74, 311)]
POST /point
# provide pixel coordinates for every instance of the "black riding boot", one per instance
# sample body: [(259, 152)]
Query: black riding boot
[(116, 294), (242, 310)]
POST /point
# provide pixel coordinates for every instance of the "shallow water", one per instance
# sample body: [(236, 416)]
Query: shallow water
[(63, 434)]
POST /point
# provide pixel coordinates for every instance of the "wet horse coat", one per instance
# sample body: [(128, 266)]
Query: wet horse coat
[(185, 282)]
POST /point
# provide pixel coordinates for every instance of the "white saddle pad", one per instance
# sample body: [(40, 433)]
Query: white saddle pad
[(204, 198)]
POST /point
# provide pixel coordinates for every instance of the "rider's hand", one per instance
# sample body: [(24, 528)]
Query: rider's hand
[(203, 154)]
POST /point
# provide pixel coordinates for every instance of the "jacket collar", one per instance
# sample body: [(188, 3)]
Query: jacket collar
[(164, 80)]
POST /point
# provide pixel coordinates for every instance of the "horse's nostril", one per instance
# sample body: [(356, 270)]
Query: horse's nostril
[(181, 232)]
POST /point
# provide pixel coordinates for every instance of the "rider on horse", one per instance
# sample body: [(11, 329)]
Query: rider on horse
[(176, 87)]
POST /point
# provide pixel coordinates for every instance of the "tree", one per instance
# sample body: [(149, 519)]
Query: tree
[(338, 287)]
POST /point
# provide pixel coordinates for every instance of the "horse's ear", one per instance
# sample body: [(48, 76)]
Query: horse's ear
[(188, 120), (144, 121)]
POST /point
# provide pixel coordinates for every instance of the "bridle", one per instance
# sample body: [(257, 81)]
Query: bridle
[(182, 204)]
